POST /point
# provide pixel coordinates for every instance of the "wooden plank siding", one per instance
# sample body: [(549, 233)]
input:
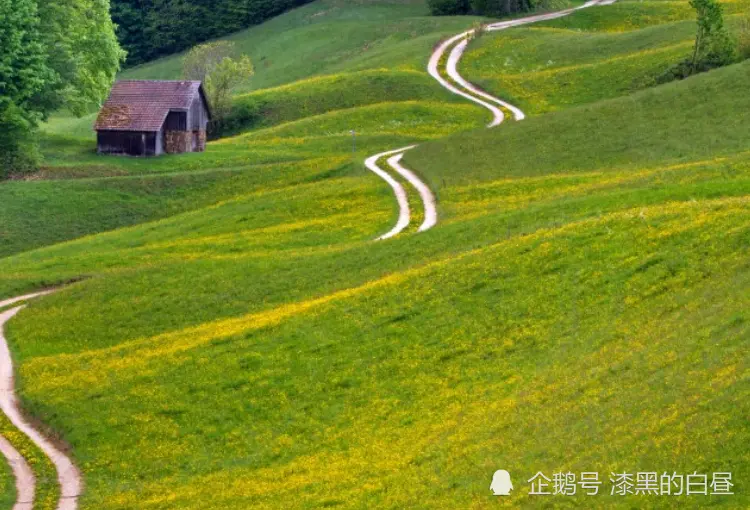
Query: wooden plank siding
[(129, 143), (150, 117)]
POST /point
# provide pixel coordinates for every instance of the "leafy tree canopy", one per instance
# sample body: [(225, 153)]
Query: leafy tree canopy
[(212, 64), (713, 47), (149, 29), (489, 7), (24, 68), (82, 48), (53, 54)]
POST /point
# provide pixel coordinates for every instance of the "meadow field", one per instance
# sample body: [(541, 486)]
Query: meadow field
[(227, 334)]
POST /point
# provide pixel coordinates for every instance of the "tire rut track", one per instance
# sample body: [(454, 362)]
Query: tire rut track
[(68, 475), (459, 86)]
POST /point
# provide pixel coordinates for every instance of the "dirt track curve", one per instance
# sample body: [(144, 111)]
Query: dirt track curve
[(452, 80), (68, 476)]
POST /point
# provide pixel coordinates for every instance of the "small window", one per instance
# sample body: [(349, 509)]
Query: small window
[(176, 121)]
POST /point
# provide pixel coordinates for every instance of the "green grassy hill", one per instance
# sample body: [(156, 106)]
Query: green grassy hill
[(322, 63), (596, 54), (243, 343)]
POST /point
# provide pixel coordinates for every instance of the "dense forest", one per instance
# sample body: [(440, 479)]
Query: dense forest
[(148, 29), (487, 7)]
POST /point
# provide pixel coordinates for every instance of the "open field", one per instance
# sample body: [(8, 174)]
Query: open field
[(371, 81), (597, 54), (234, 338)]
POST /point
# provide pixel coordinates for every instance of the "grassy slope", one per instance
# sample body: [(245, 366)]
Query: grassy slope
[(378, 67), (575, 310), (596, 54), (299, 44), (7, 490), (122, 191), (677, 122), (324, 39)]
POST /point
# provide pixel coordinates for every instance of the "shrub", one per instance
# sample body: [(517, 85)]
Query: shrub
[(245, 114), (479, 29), (743, 38), (19, 153), (211, 63), (713, 45), (500, 7), (448, 7)]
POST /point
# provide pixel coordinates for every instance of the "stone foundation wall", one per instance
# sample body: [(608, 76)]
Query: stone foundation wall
[(201, 141), (176, 142)]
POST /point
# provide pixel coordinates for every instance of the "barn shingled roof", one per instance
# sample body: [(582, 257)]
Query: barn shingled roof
[(143, 105)]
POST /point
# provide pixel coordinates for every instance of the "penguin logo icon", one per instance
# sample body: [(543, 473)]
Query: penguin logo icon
[(501, 484)]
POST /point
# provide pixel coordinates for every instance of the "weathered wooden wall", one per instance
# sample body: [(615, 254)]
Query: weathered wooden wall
[(132, 143), (198, 116)]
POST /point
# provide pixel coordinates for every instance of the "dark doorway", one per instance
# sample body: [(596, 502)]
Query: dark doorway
[(176, 121)]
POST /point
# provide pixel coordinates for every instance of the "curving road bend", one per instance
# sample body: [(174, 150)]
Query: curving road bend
[(460, 43), (433, 68), (22, 472), (404, 215), (460, 86), (425, 193), (452, 70), (68, 476), (19, 299)]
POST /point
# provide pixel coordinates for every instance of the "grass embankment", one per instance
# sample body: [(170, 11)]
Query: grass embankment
[(46, 490), (692, 120), (265, 353), (581, 306), (125, 191), (597, 54), (371, 81), (7, 487)]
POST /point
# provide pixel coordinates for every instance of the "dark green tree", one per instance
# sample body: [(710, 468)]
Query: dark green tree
[(498, 8), (149, 29), (24, 75), (130, 17), (448, 7), (53, 54), (713, 45)]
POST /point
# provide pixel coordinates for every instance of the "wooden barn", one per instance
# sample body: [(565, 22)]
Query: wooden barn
[(148, 118)]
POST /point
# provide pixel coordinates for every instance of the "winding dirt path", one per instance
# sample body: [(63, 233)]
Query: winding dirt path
[(452, 70), (460, 42), (460, 86), (425, 193), (22, 472), (27, 297), (433, 68), (404, 215), (68, 475)]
